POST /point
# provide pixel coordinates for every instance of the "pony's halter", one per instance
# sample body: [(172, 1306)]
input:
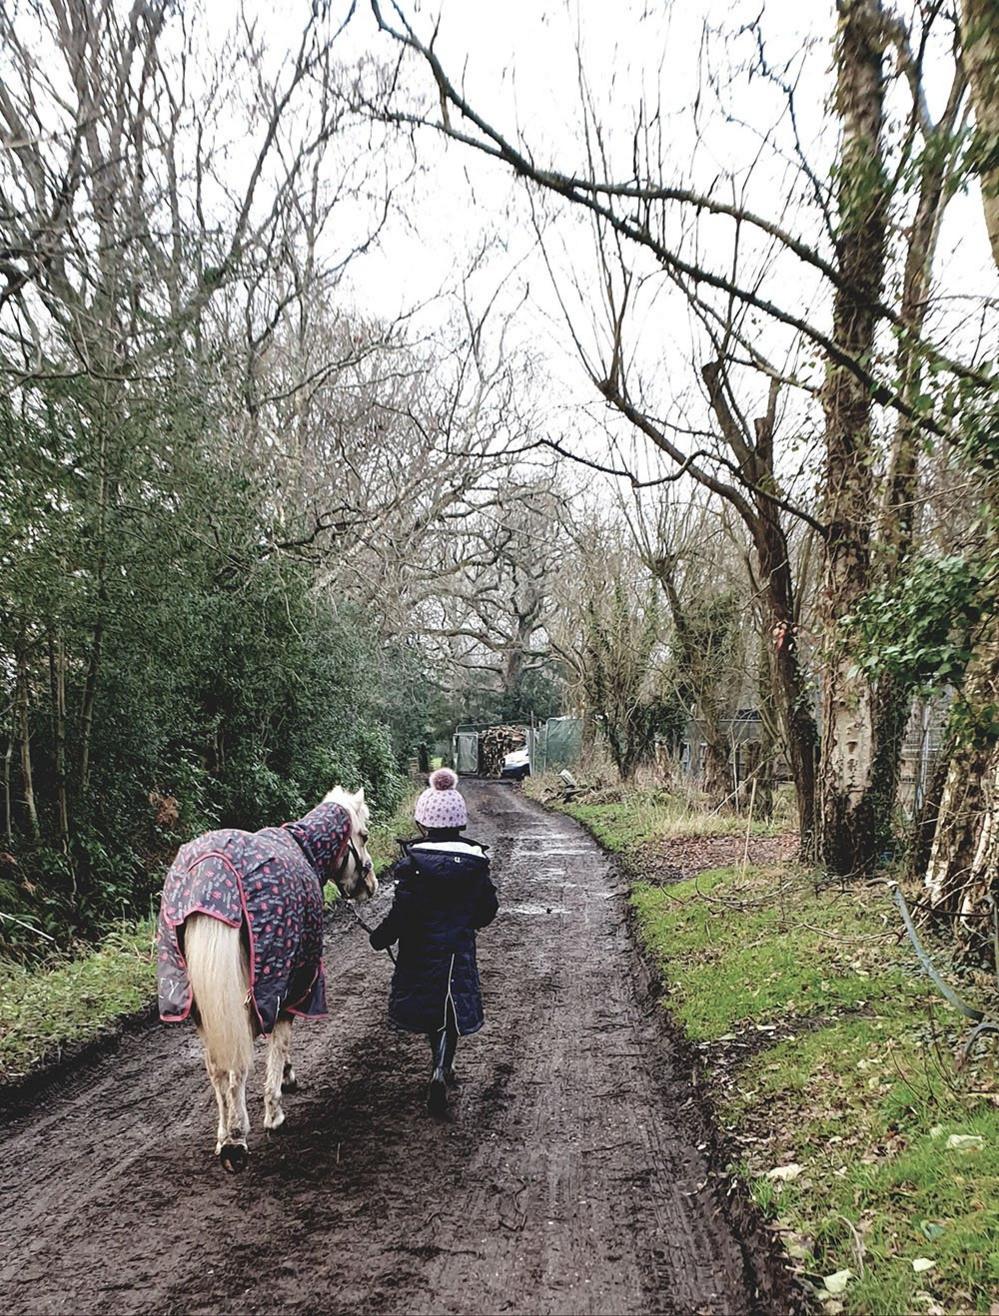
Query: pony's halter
[(364, 866)]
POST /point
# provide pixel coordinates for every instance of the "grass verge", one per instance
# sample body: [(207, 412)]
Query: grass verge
[(44, 1011), (626, 818), (831, 1063), (70, 1002)]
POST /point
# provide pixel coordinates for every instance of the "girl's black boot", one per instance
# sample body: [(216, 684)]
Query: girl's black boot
[(450, 1077), (437, 1092)]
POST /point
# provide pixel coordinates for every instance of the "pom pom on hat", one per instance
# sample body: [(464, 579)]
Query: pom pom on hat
[(441, 804)]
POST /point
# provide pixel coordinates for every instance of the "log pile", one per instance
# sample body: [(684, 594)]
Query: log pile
[(494, 745)]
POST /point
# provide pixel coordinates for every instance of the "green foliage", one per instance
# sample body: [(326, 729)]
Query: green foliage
[(972, 409), (537, 693), (920, 630), (711, 627), (414, 707), (706, 659), (222, 682), (390, 828)]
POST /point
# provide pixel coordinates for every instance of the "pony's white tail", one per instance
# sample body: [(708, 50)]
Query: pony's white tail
[(219, 972)]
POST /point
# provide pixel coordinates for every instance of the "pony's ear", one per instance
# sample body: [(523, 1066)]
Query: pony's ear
[(359, 797)]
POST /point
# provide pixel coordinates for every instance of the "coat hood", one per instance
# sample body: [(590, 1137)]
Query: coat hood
[(447, 860), (323, 835)]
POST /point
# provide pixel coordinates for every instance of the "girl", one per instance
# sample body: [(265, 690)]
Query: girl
[(443, 895)]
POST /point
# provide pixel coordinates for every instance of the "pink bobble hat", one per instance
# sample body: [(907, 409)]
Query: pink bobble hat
[(441, 804)]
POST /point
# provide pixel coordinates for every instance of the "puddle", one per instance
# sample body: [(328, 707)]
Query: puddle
[(532, 910), (555, 877)]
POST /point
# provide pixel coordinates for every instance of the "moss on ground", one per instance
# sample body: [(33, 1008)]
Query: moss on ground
[(749, 947), (875, 1158)]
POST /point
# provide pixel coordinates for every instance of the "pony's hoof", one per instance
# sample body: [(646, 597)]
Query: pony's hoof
[(274, 1125), (234, 1157), (291, 1085)]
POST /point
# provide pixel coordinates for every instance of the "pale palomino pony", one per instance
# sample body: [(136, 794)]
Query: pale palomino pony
[(240, 938)]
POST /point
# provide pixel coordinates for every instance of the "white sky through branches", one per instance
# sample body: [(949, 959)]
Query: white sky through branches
[(725, 130)]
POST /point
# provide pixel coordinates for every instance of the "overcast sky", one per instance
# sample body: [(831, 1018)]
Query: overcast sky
[(723, 131)]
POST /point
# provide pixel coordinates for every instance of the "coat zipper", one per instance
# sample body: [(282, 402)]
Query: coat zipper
[(449, 1000)]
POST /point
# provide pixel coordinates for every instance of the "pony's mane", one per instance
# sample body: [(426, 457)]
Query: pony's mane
[(355, 805)]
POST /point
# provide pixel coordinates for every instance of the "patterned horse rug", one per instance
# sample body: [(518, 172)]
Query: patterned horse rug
[(270, 883)]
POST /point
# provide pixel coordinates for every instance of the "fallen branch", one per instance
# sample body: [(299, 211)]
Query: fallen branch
[(982, 1023)]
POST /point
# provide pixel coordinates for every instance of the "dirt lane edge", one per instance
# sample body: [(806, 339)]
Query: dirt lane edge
[(765, 1259)]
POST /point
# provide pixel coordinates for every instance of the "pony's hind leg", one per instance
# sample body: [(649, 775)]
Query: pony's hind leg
[(234, 1120), (218, 1079), (289, 1079), (218, 968), (234, 1152), (278, 1049)]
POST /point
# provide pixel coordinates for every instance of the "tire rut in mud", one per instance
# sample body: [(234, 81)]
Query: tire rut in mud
[(578, 1171)]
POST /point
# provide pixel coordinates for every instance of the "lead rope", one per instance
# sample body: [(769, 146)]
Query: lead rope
[(388, 949), (350, 903)]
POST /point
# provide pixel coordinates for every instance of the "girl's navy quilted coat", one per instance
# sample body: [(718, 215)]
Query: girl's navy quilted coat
[(443, 895)]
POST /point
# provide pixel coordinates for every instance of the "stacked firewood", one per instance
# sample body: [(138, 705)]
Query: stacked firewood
[(494, 745)]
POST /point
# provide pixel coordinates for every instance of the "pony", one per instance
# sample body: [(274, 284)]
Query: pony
[(240, 943)]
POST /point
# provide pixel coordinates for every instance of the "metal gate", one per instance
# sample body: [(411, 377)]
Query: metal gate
[(466, 751)]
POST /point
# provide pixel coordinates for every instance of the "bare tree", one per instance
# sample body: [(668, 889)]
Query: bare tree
[(687, 553), (857, 232)]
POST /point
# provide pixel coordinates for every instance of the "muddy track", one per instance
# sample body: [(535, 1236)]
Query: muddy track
[(578, 1172)]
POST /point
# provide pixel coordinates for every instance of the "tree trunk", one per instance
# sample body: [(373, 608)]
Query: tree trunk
[(716, 779), (665, 766), (762, 519), (795, 703), (57, 677), (980, 35), (97, 635), (24, 720), (853, 823), (718, 784), (925, 826), (89, 700), (765, 780), (762, 753), (526, 617), (8, 812), (624, 760), (962, 875), (892, 698)]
